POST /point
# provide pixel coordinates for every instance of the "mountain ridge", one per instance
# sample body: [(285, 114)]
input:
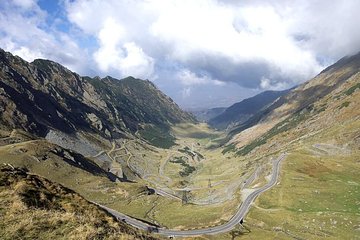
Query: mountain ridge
[(44, 94), (296, 106), (240, 112), (204, 115)]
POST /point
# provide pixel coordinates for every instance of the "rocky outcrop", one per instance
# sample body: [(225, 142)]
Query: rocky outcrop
[(44, 95)]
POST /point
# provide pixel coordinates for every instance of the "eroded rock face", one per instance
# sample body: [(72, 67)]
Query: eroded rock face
[(44, 95), (95, 121), (83, 114)]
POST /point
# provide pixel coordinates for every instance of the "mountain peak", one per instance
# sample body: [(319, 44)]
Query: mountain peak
[(47, 95), (49, 66)]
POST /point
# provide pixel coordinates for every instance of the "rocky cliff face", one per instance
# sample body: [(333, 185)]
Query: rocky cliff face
[(44, 95)]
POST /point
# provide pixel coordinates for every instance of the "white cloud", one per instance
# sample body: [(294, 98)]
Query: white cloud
[(331, 27), (26, 53), (241, 35), (122, 59), (266, 84), (219, 37), (26, 35), (189, 78), (190, 81), (108, 55), (186, 92), (254, 43), (136, 62), (25, 4)]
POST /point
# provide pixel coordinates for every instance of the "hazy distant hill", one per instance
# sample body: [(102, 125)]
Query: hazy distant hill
[(242, 111), (207, 114)]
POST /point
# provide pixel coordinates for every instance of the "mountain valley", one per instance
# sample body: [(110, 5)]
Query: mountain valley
[(125, 145)]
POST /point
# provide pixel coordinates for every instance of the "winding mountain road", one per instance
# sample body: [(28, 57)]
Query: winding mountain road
[(240, 214)]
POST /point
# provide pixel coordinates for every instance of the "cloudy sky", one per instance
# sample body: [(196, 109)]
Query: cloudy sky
[(202, 53)]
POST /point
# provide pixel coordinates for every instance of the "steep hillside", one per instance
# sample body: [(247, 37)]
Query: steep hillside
[(318, 126), (308, 101), (239, 112), (139, 102), (50, 160), (44, 95), (32, 207)]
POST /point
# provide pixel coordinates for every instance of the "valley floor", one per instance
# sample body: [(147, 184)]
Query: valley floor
[(198, 186)]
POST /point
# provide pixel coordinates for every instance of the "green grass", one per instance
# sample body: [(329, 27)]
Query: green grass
[(318, 197), (344, 104), (187, 151), (229, 148), (158, 137), (195, 131), (199, 154), (176, 214), (187, 169), (352, 89), (288, 124)]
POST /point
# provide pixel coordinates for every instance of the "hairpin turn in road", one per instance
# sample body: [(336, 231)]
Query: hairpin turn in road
[(239, 216)]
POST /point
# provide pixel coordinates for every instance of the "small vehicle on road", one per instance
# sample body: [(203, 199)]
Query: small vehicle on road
[(152, 229)]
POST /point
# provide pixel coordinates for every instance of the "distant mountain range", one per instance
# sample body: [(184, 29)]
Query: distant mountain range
[(205, 115), (239, 112), (250, 111)]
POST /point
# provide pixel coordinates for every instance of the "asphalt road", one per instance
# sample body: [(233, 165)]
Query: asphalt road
[(240, 214)]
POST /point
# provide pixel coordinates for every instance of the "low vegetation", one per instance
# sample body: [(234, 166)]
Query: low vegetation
[(288, 124), (158, 137), (32, 207), (344, 104), (187, 169), (317, 198), (187, 151), (352, 89)]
